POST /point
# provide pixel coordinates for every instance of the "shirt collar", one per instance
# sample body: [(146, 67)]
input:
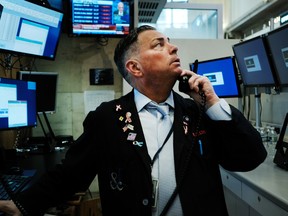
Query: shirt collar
[(141, 100)]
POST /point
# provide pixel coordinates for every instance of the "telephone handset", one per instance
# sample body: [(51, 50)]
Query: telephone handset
[(183, 80), (184, 85)]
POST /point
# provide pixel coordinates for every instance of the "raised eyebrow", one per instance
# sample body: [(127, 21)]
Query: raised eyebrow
[(163, 39)]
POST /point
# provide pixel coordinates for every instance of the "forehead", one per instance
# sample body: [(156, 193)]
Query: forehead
[(150, 36)]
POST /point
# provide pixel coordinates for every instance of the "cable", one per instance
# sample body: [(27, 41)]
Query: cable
[(102, 41)]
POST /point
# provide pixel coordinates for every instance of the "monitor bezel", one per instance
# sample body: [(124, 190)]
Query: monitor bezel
[(20, 74), (261, 38), (270, 50)]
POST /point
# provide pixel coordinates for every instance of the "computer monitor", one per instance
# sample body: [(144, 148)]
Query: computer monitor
[(254, 64), (277, 41), (106, 18), (29, 29), (223, 74), (17, 104), (46, 88)]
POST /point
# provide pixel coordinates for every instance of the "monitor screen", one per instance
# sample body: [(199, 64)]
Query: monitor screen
[(46, 88), (107, 18), (17, 104), (277, 41), (29, 29), (223, 75), (253, 63)]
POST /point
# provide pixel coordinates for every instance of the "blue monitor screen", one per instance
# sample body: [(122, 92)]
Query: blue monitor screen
[(17, 104), (253, 63), (278, 45), (29, 29), (223, 75)]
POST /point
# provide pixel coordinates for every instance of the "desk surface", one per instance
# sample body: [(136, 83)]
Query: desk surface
[(269, 180), (40, 162)]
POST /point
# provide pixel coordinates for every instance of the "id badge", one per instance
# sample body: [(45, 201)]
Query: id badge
[(155, 183)]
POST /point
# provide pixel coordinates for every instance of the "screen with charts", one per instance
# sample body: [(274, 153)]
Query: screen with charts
[(277, 41), (110, 18), (29, 29), (17, 104), (253, 63), (223, 75)]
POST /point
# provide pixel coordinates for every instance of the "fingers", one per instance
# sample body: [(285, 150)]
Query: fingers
[(9, 207), (197, 82), (187, 72)]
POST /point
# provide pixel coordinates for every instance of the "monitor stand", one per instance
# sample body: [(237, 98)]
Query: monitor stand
[(257, 109), (281, 156), (49, 137), (49, 142)]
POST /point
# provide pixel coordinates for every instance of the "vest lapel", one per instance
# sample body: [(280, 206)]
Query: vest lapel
[(130, 125), (182, 135)]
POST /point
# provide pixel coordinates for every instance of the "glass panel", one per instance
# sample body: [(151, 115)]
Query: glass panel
[(177, 1), (188, 22)]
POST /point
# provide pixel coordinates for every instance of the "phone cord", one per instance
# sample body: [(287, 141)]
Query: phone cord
[(10, 193), (175, 192)]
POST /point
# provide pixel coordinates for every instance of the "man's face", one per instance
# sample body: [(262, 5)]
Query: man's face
[(121, 7), (157, 56)]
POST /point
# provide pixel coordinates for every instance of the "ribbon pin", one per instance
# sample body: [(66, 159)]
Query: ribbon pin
[(138, 143)]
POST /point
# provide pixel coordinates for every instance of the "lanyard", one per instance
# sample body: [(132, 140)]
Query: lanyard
[(165, 141)]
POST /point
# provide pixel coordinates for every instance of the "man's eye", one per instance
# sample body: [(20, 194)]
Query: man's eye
[(159, 44)]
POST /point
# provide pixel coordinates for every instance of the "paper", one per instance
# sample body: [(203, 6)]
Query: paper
[(92, 99)]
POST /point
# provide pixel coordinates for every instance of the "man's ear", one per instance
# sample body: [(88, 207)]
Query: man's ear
[(133, 67)]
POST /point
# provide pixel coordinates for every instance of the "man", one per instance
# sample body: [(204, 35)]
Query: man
[(120, 15), (120, 142), (120, 9)]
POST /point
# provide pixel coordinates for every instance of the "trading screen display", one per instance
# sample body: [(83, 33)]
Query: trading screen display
[(106, 17), (27, 28)]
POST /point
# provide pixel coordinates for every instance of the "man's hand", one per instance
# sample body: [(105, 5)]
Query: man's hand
[(199, 83), (9, 207)]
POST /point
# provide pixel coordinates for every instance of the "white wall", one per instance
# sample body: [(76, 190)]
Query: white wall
[(241, 8)]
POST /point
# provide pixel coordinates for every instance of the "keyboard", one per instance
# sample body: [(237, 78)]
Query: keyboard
[(15, 183)]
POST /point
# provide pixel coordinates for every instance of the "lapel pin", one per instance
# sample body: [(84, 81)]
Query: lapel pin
[(131, 136), (125, 128), (128, 117), (185, 127), (129, 126), (185, 124), (138, 143), (118, 107)]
